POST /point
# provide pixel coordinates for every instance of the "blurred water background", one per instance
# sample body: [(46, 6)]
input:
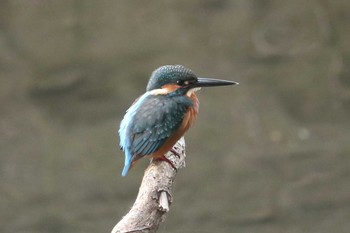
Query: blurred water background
[(270, 155)]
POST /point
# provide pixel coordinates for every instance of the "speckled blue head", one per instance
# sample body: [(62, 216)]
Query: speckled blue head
[(169, 74)]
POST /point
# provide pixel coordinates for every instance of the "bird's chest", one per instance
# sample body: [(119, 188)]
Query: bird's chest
[(191, 113)]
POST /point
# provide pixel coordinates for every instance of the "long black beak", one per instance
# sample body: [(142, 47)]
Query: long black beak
[(210, 82)]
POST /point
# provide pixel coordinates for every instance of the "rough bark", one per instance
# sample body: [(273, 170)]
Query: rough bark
[(155, 194)]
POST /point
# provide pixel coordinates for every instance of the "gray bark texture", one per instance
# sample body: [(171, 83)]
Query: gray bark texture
[(155, 194)]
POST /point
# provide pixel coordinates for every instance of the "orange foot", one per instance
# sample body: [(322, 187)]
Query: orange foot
[(163, 158), (174, 152)]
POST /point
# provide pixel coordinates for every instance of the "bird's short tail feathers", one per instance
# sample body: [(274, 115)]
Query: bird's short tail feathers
[(126, 169), (127, 164)]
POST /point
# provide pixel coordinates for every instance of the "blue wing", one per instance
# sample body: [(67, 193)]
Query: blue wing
[(149, 123)]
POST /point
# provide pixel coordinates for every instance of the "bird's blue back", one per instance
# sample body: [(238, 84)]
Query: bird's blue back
[(149, 122)]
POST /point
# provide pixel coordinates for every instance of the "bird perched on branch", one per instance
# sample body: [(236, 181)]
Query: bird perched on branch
[(161, 116)]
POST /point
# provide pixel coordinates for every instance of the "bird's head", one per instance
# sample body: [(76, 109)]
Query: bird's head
[(182, 79)]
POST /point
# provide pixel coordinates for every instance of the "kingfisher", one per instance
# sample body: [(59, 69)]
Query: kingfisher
[(162, 115)]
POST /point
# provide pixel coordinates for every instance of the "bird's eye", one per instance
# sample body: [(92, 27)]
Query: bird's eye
[(180, 82), (183, 82)]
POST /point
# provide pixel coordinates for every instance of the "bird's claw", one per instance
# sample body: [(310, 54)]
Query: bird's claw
[(175, 152), (163, 158)]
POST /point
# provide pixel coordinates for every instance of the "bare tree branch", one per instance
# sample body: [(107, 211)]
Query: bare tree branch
[(155, 194)]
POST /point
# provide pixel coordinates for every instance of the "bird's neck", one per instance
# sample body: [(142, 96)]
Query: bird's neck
[(175, 90), (195, 102)]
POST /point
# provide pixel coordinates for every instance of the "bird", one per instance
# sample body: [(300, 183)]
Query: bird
[(162, 115)]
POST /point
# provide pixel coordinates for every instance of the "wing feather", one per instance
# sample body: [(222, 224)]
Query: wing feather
[(152, 120)]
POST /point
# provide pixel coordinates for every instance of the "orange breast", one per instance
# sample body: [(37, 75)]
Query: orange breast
[(188, 120)]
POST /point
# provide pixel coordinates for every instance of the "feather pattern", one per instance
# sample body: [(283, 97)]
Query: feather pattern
[(149, 122)]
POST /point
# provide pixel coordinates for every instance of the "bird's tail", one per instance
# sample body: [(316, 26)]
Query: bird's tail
[(126, 169), (127, 164)]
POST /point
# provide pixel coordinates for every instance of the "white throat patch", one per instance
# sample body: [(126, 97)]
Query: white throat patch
[(193, 90)]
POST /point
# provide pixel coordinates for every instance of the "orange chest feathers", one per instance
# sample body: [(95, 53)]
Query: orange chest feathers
[(191, 114)]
